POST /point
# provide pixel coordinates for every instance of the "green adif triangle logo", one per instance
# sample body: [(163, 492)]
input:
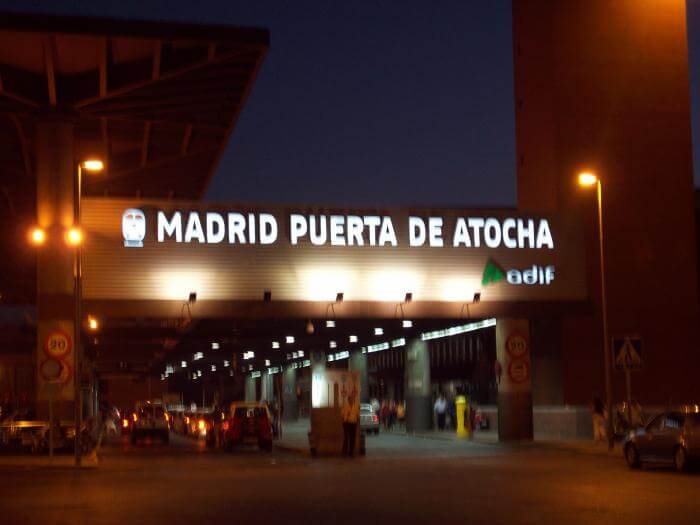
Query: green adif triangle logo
[(493, 273)]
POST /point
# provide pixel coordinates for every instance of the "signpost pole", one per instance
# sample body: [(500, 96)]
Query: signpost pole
[(50, 425), (628, 387)]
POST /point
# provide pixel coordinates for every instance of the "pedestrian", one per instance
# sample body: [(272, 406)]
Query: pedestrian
[(392, 414), (350, 414), (384, 414), (598, 415), (440, 411), (401, 413)]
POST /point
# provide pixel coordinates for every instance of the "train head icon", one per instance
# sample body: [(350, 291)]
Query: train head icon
[(133, 227)]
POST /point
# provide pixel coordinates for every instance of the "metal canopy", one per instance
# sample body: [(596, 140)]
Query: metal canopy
[(156, 101)]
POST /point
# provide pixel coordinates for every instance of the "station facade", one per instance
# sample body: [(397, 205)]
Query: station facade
[(159, 102)]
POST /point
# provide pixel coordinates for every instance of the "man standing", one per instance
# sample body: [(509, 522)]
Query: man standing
[(440, 411), (350, 413)]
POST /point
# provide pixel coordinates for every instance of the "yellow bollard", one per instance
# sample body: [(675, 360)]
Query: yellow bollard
[(462, 409)]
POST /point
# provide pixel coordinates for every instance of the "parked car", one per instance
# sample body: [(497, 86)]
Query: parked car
[(247, 423), (672, 437), (151, 420), (369, 420)]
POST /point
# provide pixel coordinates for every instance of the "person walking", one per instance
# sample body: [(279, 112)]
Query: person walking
[(350, 414), (440, 411), (598, 414)]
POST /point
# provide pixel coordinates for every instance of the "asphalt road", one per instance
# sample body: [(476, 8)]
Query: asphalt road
[(184, 483)]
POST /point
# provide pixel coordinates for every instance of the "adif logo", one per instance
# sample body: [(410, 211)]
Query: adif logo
[(133, 227), (493, 273)]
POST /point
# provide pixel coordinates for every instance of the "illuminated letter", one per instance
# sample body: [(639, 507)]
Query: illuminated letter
[(317, 235), (355, 227), (435, 231), (194, 228), (528, 233), (476, 223), (530, 275), (251, 228), (461, 235), (268, 228), (216, 229), (170, 228), (416, 231), (387, 234), (372, 221), (492, 233), (509, 225), (544, 236), (548, 274), (298, 227), (337, 223), (236, 228), (514, 277)]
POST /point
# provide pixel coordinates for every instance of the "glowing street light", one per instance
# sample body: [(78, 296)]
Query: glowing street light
[(74, 236), (93, 324), (37, 236), (93, 165), (587, 179)]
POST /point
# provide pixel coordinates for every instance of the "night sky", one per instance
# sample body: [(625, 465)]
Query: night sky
[(369, 102)]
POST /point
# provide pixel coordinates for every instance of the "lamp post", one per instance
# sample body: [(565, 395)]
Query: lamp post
[(74, 238), (587, 179)]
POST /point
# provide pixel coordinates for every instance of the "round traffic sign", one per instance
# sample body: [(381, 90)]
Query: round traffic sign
[(57, 344), (519, 371), (51, 369), (516, 345)]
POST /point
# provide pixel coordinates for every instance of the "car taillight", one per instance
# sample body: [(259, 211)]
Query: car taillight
[(375, 418), (225, 425), (136, 418), (187, 420), (125, 423), (167, 417)]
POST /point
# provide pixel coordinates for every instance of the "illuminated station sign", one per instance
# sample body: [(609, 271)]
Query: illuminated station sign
[(162, 250)]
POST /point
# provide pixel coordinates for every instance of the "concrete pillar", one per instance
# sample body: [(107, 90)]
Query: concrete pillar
[(318, 370), (267, 387), (358, 363), (55, 165), (289, 394), (514, 370), (419, 409), (250, 389)]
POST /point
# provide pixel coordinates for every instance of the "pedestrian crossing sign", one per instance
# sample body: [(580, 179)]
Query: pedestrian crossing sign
[(627, 352)]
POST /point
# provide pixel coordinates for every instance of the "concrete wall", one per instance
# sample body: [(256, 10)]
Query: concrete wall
[(604, 85)]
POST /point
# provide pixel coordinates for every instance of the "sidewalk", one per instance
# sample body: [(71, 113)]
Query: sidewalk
[(295, 439), (30, 461)]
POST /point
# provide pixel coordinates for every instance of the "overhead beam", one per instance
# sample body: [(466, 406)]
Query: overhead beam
[(103, 52), (186, 140), (157, 51), (49, 44), (173, 74)]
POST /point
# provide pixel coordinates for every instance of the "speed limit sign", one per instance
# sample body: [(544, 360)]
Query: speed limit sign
[(57, 344)]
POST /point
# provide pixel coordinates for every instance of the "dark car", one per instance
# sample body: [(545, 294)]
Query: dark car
[(247, 423), (672, 438)]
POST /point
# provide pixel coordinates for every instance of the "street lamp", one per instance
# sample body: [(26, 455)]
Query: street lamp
[(587, 179), (37, 236), (74, 237)]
